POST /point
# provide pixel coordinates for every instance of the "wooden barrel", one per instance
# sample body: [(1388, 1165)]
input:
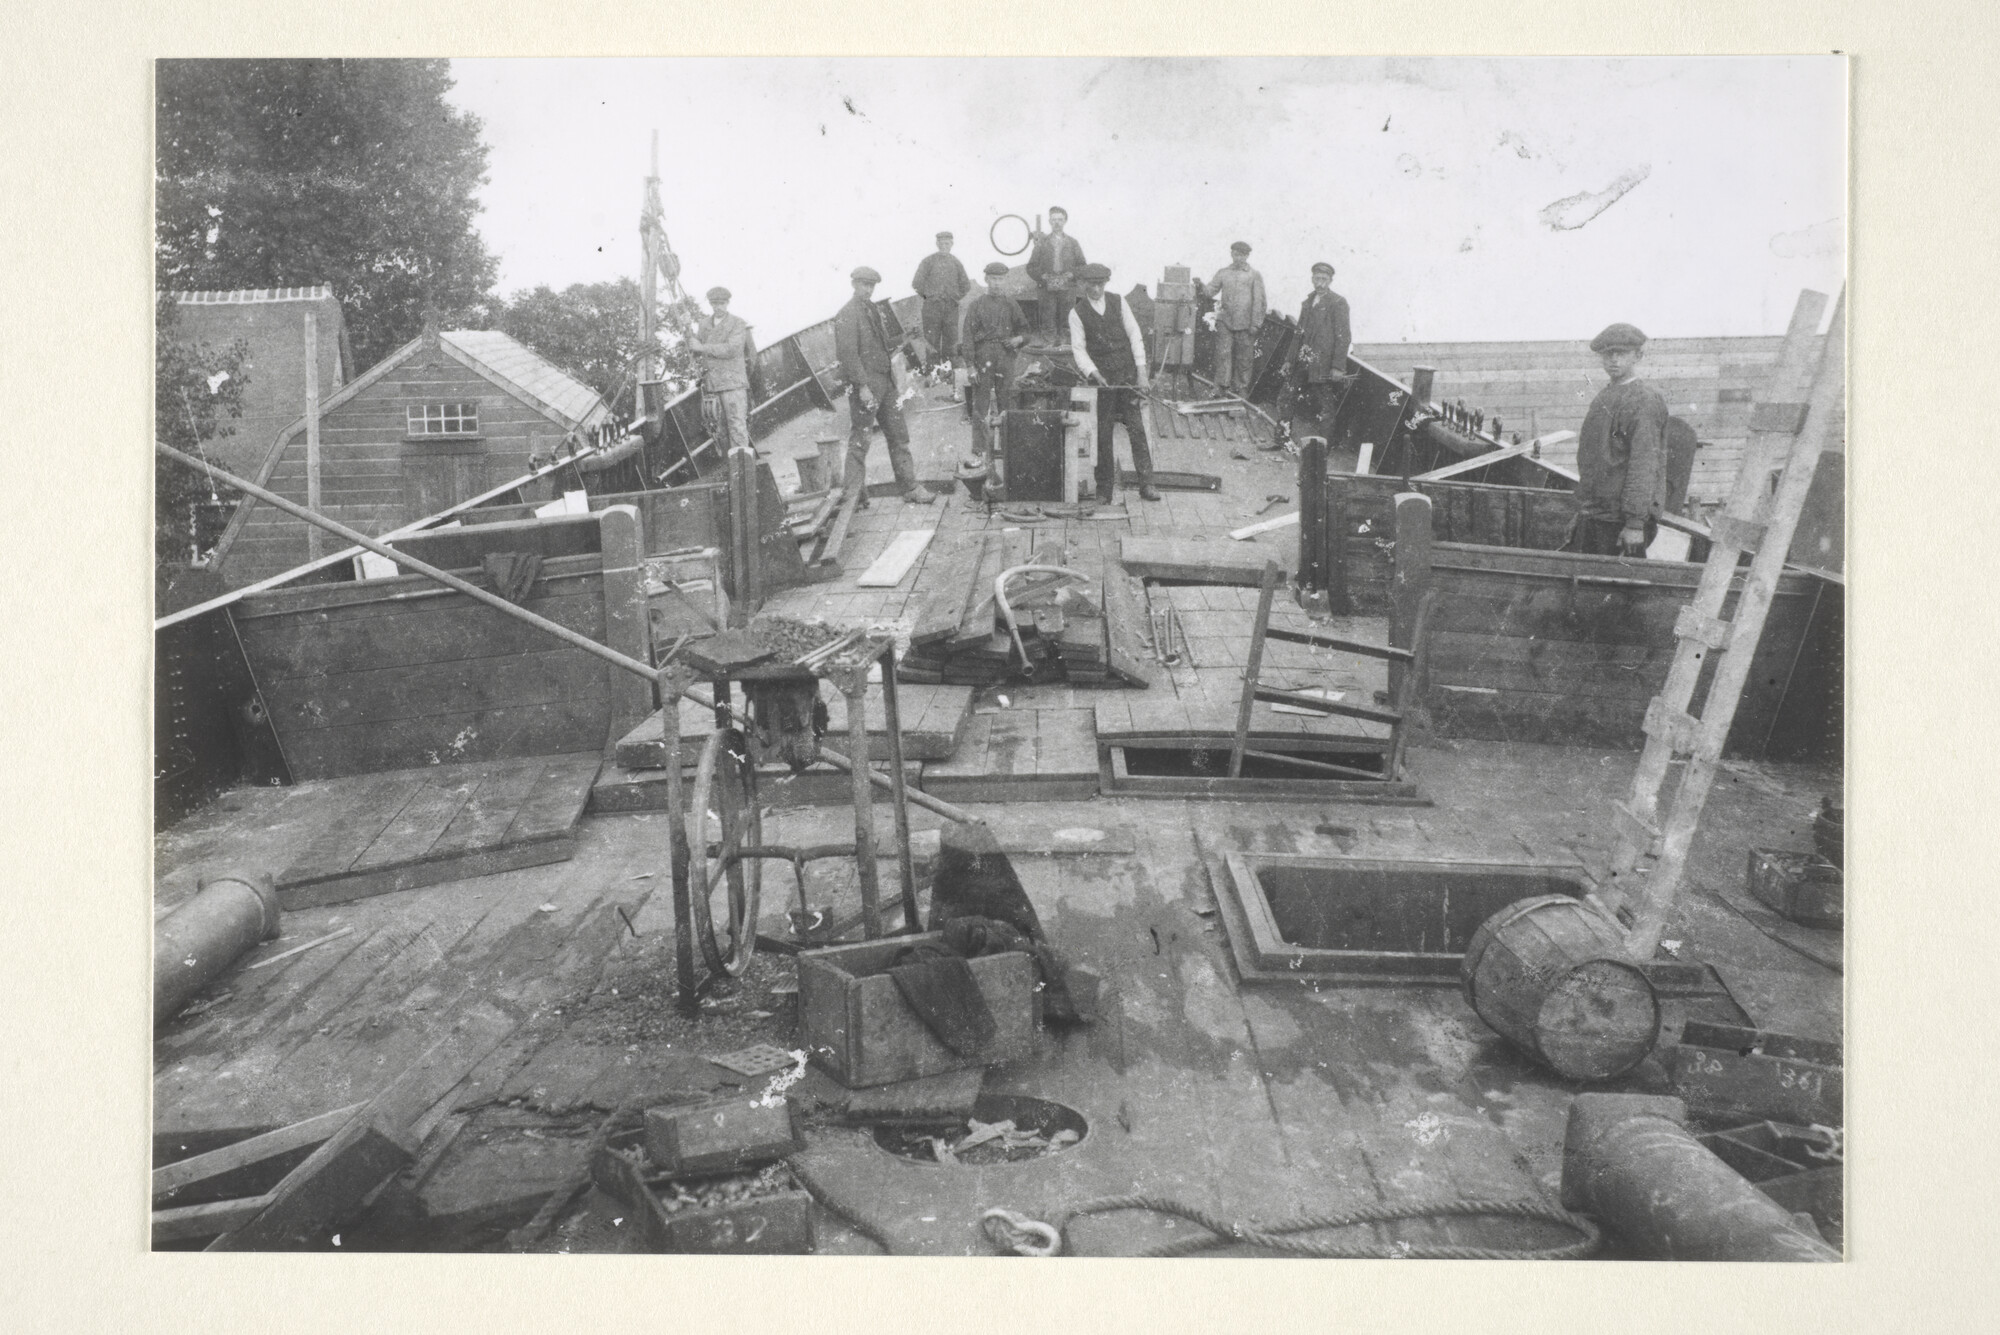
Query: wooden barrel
[(1549, 973)]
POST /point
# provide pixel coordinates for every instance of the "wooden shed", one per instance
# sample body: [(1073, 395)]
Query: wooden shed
[(444, 418)]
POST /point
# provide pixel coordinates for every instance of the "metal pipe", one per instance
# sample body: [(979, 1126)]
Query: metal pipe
[(1629, 1161), (1007, 612), (196, 943)]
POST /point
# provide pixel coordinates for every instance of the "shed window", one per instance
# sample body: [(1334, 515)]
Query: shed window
[(444, 419)]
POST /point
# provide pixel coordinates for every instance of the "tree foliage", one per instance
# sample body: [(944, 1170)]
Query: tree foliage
[(355, 173), (197, 391), (594, 332)]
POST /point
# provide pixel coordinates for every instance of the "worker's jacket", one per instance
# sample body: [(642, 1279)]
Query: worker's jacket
[(1621, 457), (990, 321), (726, 348), (1239, 298), (1323, 338), (861, 340), (941, 278), (1054, 257)]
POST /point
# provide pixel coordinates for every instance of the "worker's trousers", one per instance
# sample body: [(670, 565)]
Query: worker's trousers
[(1129, 407), (889, 416), (940, 324), (1235, 358), (732, 417)]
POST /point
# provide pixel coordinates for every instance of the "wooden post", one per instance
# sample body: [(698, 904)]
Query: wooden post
[(1337, 600), (892, 719), (852, 679), (1412, 577), (1267, 586), (315, 540), (1081, 442), (674, 683), (1312, 515)]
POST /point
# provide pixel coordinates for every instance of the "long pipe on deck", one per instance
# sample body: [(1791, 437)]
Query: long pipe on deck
[(499, 604), (197, 943), (1630, 1163)]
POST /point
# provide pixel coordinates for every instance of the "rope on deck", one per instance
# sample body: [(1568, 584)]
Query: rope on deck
[(1282, 1237)]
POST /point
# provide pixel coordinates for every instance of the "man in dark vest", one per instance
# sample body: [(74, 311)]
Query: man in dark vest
[(941, 282), (861, 341), (1055, 264), (1110, 350), (1621, 457), (1319, 366), (994, 327)]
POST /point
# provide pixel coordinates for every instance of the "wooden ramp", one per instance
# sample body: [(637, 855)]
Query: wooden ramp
[(411, 828)]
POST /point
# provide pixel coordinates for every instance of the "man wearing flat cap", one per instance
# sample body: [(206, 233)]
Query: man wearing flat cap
[(1319, 364), (1053, 264), (1110, 351), (942, 283), (1238, 292), (994, 327), (861, 341), (1621, 454), (728, 354)]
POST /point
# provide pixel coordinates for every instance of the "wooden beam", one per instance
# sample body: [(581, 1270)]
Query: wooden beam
[(1266, 587), (1252, 530), (1411, 578), (188, 1223), (322, 1191), (888, 569), (315, 540), (176, 1177)]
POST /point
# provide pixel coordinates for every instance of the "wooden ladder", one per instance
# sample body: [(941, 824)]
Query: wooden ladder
[(1253, 690), (1749, 523)]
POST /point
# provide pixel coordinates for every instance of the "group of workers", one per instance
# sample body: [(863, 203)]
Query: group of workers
[(1621, 453)]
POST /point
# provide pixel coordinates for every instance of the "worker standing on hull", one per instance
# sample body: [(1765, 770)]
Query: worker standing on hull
[(1238, 291), (1620, 454), (861, 341), (1110, 351), (942, 284), (1055, 265), (995, 326), (728, 354), (1319, 367)]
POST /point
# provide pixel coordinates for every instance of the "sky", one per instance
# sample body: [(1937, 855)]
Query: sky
[(1458, 199)]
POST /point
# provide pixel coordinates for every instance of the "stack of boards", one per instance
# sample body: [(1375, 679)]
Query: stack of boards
[(1086, 633)]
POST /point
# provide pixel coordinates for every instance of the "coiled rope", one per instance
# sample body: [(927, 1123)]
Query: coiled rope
[(1283, 1236)]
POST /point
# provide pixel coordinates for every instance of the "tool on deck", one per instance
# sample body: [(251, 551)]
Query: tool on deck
[(1275, 498)]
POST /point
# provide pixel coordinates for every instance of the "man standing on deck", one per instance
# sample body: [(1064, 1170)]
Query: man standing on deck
[(1055, 264), (1620, 454), (1110, 351), (942, 283), (861, 341), (1319, 367), (727, 351), (995, 326), (1239, 313)]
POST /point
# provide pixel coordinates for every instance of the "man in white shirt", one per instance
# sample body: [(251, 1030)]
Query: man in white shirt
[(1110, 351)]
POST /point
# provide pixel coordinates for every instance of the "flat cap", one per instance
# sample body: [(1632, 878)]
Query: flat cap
[(996, 270), (1057, 208), (944, 236), (718, 294), (1618, 336), (1239, 247), (1093, 273), (865, 275), (1323, 267)]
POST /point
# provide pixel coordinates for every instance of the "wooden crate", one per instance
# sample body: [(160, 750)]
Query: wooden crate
[(856, 1025), (1728, 1071), (1802, 886), (721, 1135), (775, 1225)]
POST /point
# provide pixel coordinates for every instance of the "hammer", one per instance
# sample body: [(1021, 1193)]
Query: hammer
[(1273, 499)]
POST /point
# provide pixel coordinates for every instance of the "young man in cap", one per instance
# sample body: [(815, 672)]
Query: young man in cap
[(942, 283), (861, 340), (1110, 350), (728, 352), (994, 327), (1621, 454), (1054, 264), (1320, 363), (1238, 291)]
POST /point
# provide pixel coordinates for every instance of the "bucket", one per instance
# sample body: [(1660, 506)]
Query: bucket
[(1548, 973)]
